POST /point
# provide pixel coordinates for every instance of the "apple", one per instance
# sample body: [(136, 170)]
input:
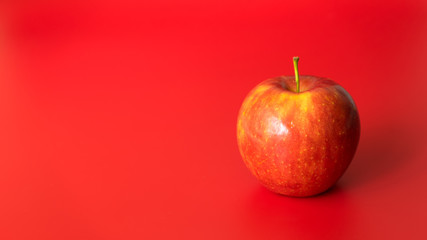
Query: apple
[(298, 135)]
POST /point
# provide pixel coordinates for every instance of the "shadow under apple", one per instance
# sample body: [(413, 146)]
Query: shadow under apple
[(273, 216), (382, 151)]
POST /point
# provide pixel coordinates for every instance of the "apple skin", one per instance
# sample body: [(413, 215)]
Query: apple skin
[(298, 144)]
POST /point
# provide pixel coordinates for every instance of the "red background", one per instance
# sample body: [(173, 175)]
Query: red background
[(118, 119)]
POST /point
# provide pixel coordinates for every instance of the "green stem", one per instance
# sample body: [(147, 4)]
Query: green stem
[(296, 72)]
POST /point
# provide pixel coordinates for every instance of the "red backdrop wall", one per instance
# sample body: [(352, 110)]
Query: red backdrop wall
[(118, 119)]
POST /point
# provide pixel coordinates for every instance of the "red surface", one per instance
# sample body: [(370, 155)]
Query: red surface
[(118, 120)]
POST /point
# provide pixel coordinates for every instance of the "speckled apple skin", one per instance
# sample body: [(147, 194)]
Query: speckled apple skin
[(298, 144)]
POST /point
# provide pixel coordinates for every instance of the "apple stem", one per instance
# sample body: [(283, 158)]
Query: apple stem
[(296, 72)]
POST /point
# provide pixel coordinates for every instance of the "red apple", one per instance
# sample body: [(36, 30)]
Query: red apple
[(298, 135)]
